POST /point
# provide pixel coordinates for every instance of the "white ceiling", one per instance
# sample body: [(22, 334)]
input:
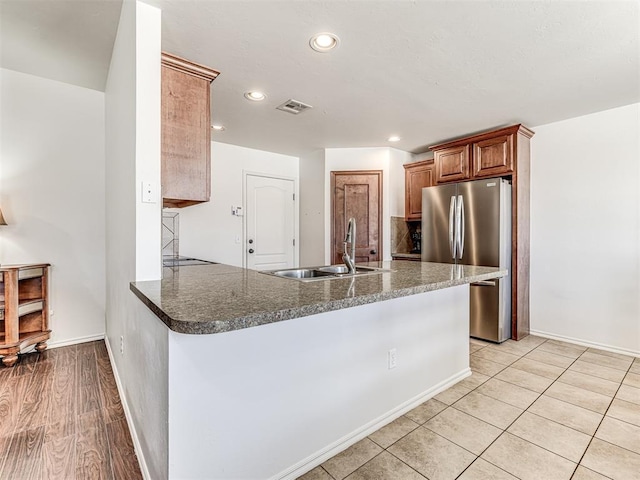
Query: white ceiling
[(425, 70)]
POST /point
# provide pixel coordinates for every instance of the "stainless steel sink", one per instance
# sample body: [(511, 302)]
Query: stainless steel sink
[(328, 272), (300, 273), (344, 269)]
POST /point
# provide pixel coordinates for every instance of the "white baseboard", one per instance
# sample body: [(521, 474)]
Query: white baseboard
[(127, 413), (585, 343), (345, 442), (75, 341)]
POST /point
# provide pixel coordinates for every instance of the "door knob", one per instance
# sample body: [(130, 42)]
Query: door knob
[(251, 250), (373, 252)]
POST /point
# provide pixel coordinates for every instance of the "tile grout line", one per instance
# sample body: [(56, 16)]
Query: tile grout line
[(543, 392), (515, 420), (527, 409), (402, 461), (602, 420), (503, 430), (325, 471)]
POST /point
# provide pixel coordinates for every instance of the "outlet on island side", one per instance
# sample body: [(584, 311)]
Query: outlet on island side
[(121, 345), (393, 358)]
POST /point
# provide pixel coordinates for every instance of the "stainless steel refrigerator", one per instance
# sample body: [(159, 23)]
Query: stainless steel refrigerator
[(469, 223)]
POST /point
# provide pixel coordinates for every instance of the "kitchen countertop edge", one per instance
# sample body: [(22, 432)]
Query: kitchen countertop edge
[(203, 327)]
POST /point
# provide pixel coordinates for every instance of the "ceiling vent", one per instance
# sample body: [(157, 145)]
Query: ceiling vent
[(293, 106)]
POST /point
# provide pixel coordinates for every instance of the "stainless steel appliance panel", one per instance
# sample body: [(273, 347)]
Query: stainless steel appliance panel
[(479, 216), (484, 304), (437, 223), (469, 223), (490, 310)]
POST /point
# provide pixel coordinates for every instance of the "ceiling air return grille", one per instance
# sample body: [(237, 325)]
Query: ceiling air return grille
[(293, 106)]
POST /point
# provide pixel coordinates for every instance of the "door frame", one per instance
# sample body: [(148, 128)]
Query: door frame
[(334, 174), (296, 212)]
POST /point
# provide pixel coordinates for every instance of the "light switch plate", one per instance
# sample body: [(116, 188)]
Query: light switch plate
[(393, 358), (237, 211), (148, 192)]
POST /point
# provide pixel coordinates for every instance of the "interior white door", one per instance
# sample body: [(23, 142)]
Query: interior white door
[(270, 223)]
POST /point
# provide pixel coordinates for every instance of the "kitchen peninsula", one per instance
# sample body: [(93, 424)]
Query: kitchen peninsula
[(268, 377)]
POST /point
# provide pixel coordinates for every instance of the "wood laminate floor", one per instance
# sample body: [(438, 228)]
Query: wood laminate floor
[(61, 418)]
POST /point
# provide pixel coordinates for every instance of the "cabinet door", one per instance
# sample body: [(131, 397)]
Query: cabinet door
[(493, 157), (186, 163), (416, 177), (452, 164)]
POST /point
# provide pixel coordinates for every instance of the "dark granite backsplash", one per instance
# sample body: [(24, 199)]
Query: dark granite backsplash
[(401, 232)]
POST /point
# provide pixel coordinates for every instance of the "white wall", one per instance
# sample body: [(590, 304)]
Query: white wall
[(52, 195), (397, 158), (312, 218), (132, 100), (208, 230), (310, 386), (585, 229)]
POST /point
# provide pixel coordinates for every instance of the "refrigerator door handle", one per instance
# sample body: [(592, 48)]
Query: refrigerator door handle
[(485, 283), (452, 242), (460, 226)]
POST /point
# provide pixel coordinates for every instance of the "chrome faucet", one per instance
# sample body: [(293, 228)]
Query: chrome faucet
[(350, 238)]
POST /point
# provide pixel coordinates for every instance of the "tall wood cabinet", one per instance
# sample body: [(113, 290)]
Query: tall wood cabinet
[(499, 153), (417, 175), (24, 309), (186, 131)]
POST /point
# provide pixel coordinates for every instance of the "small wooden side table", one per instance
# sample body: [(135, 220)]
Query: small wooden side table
[(24, 309)]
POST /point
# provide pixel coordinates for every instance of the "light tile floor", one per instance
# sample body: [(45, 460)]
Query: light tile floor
[(533, 409)]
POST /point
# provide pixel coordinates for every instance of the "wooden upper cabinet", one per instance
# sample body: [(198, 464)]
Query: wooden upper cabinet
[(186, 131), (490, 154), (452, 164), (416, 176), (493, 157)]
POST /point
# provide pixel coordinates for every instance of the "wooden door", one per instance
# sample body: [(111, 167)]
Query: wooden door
[(357, 194), (270, 222), (416, 176)]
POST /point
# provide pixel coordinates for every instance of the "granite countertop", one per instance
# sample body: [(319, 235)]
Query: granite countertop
[(220, 298)]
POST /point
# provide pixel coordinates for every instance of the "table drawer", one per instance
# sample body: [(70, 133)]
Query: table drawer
[(30, 273)]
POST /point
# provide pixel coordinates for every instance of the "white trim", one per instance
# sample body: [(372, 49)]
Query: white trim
[(315, 459), (127, 413), (586, 343), (75, 341)]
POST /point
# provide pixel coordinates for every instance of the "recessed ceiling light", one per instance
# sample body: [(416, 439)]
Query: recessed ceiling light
[(255, 96), (218, 128), (393, 138), (323, 42)]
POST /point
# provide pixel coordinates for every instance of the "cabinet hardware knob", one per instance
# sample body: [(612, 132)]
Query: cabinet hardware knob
[(251, 250)]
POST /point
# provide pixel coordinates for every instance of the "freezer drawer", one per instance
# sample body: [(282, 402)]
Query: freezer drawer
[(490, 312)]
